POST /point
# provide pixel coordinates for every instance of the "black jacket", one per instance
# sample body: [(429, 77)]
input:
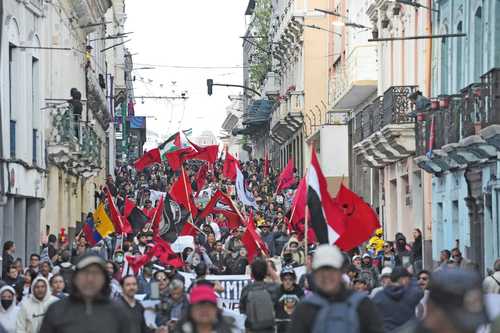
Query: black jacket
[(303, 318), (283, 318), (136, 314)]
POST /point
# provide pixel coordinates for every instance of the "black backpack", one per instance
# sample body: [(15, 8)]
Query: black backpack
[(260, 309)]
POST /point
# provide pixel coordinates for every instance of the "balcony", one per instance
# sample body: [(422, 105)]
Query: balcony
[(73, 145), (287, 119), (462, 129), (356, 80), (271, 86), (383, 133)]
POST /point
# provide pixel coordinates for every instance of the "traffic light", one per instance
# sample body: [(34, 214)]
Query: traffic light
[(210, 83)]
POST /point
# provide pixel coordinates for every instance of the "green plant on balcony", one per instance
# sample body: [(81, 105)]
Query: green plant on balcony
[(261, 56)]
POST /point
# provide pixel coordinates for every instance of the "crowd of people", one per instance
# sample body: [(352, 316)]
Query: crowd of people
[(79, 285)]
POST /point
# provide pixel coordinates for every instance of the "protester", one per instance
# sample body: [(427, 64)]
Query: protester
[(257, 300), (423, 282), (57, 286), (332, 307), (133, 307), (203, 315), (289, 295), (458, 260), (398, 300), (8, 309), (403, 251), (33, 308), (455, 304), (444, 260), (89, 307), (34, 264), (173, 308), (384, 280), (416, 250), (14, 280), (491, 283), (7, 256)]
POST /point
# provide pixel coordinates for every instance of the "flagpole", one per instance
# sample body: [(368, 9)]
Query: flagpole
[(189, 202)]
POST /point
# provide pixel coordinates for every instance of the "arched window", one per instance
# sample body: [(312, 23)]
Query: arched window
[(460, 58), (479, 42)]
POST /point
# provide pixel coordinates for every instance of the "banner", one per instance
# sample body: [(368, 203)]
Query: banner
[(232, 284)]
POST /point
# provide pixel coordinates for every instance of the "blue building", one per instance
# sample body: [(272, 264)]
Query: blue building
[(458, 136)]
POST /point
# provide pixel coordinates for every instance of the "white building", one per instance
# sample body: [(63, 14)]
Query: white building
[(22, 159), (57, 153), (234, 113)]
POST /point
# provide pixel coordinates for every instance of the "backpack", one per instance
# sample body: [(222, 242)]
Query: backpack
[(336, 316), (260, 309)]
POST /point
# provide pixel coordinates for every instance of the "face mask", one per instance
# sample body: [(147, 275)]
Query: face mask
[(6, 303), (119, 259)]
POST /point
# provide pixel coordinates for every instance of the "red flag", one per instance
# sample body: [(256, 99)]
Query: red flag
[(188, 230), (361, 220), (129, 205), (220, 203), (149, 157), (163, 251), (136, 262), (286, 177), (149, 212), (230, 165), (266, 164), (204, 153), (252, 241), (201, 177), (298, 208), (113, 212), (158, 216), (182, 193), (327, 218)]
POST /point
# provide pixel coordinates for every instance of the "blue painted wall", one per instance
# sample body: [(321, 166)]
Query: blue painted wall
[(458, 62)]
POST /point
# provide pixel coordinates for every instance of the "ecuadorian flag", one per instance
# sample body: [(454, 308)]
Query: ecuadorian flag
[(102, 222)]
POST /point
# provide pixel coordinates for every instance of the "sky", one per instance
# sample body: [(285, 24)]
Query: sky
[(191, 33)]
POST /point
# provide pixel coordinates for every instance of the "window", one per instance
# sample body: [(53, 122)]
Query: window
[(34, 141), (479, 42), (459, 54), (444, 64), (12, 128)]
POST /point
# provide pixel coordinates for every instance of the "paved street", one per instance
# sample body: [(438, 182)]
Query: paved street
[(264, 166)]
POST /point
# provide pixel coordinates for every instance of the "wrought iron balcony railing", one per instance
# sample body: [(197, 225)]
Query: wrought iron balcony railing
[(396, 105)]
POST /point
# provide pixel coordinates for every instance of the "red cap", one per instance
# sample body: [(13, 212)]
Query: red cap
[(202, 293)]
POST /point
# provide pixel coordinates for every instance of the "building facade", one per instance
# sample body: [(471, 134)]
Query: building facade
[(59, 62), (382, 133), (457, 134)]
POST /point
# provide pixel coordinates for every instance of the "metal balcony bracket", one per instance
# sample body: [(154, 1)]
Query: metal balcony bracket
[(372, 151), (368, 159)]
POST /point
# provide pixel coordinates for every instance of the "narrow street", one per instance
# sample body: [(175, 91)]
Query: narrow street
[(258, 166)]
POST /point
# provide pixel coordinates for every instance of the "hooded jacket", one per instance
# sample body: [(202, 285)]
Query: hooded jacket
[(73, 314), (397, 304), (8, 316), (32, 310)]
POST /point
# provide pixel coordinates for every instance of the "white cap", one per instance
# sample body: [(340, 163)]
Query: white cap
[(386, 271), (327, 256)]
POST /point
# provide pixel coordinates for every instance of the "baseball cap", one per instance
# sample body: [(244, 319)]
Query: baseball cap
[(202, 293), (458, 293), (366, 255), (356, 257), (386, 271), (327, 256), (89, 260)]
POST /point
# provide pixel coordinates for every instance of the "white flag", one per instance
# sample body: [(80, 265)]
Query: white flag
[(243, 195)]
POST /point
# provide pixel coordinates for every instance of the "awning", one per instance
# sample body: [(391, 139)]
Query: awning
[(258, 112)]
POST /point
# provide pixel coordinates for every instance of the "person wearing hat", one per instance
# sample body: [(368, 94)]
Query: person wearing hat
[(203, 315), (398, 300), (368, 272), (384, 280), (455, 304), (332, 307), (89, 307), (288, 291), (268, 237)]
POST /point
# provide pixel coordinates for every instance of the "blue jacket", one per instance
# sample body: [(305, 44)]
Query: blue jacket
[(397, 305)]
